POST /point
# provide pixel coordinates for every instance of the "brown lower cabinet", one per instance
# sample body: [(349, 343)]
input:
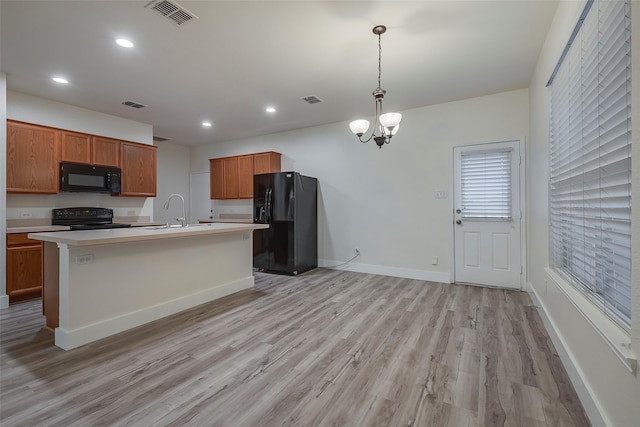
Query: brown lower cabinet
[(24, 267)]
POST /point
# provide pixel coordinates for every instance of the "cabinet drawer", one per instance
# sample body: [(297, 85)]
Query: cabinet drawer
[(16, 239)]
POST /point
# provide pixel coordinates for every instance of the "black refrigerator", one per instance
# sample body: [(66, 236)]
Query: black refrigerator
[(287, 201)]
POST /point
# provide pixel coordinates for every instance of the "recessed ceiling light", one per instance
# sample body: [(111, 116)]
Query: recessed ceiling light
[(270, 109), (124, 43), (206, 124), (60, 80)]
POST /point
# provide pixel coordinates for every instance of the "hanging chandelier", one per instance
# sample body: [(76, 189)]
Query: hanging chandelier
[(387, 124)]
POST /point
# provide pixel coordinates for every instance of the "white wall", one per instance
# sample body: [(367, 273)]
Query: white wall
[(609, 391), (173, 177), (382, 200), (31, 109), (45, 112)]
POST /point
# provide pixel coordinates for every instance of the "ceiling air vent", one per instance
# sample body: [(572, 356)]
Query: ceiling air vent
[(159, 139), (133, 104), (172, 11), (311, 99)]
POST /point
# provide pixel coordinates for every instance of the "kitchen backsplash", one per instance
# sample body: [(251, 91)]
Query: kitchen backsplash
[(228, 209), (38, 207)]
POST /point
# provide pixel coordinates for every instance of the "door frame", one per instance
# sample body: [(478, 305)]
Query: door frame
[(523, 210), (191, 195)]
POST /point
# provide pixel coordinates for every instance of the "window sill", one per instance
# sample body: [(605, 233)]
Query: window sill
[(613, 335)]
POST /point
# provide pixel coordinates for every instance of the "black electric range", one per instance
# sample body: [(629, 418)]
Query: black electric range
[(85, 218)]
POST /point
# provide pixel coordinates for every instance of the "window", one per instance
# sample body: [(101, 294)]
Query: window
[(590, 164), (485, 190)]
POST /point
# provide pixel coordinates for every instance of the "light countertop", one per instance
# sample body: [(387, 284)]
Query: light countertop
[(224, 220), (47, 228), (37, 229), (123, 235)]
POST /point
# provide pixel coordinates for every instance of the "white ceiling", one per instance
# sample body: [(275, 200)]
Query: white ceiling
[(240, 56)]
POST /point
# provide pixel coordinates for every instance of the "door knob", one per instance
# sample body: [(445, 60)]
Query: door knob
[(458, 221)]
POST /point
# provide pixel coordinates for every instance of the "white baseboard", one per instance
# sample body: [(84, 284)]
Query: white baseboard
[(69, 339), (4, 301), (407, 273), (575, 375)]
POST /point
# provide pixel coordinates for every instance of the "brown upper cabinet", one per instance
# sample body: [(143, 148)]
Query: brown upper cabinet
[(232, 177), (245, 177), (266, 162), (138, 170), (216, 178), (34, 153), (75, 147), (105, 151), (32, 158), (95, 150)]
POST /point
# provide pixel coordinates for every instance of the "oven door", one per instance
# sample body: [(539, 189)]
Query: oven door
[(75, 177)]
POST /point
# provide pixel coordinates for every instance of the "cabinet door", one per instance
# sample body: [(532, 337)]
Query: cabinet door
[(32, 159), (245, 177), (230, 190), (75, 147), (24, 271), (216, 178), (105, 151), (138, 170), (266, 162)]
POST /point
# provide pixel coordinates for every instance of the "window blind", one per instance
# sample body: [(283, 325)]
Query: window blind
[(590, 161), (485, 178)]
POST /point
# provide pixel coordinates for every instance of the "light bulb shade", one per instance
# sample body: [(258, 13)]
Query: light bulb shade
[(390, 120), (359, 127), (385, 132)]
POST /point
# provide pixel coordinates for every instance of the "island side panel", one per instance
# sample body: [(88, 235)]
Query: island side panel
[(50, 285), (115, 287)]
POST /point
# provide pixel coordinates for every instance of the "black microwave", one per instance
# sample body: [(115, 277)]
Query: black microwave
[(79, 177)]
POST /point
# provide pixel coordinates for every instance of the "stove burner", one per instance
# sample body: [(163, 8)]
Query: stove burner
[(82, 218)]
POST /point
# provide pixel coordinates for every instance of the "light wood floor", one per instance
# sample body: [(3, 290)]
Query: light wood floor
[(326, 348)]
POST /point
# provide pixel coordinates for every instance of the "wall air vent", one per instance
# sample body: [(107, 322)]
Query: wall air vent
[(159, 139), (172, 11), (311, 99), (133, 104)]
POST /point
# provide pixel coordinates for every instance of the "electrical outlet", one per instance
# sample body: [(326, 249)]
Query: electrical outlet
[(25, 214), (434, 260), (131, 213), (84, 259)]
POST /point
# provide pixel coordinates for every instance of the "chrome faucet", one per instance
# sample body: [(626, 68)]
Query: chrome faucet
[(183, 219)]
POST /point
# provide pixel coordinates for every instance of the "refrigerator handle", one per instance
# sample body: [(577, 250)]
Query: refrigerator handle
[(268, 205)]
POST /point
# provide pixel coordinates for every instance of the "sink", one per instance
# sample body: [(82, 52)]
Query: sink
[(166, 226), (161, 227)]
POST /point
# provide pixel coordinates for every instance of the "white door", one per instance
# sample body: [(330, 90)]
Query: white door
[(488, 214), (200, 197)]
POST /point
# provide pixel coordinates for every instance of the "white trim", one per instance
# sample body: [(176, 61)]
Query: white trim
[(593, 410), (382, 270), (523, 214), (4, 301), (69, 339), (617, 339)]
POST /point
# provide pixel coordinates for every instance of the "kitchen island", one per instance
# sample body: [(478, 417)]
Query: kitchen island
[(101, 282)]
